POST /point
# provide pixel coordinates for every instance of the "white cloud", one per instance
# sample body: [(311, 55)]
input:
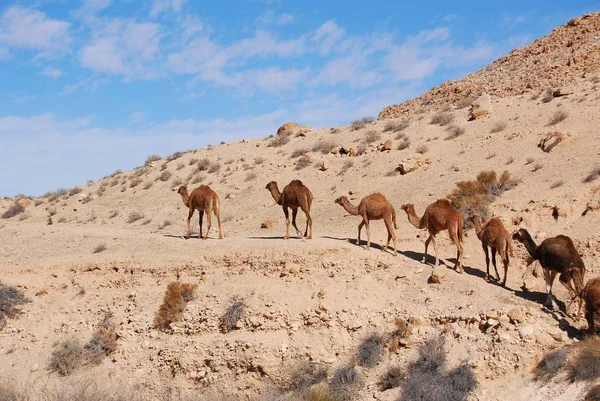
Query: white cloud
[(159, 6), (52, 72), (271, 18), (26, 28)]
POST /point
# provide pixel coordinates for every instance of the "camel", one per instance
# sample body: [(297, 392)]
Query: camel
[(373, 207), (557, 255), (203, 199), (493, 234), (591, 295), (439, 216), (295, 195)]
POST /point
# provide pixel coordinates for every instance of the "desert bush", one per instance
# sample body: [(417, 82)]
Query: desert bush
[(214, 167), (392, 378), (325, 146), (371, 136), (422, 149), (536, 167), (203, 164), (103, 341), (303, 162), (75, 191), (466, 102), (557, 117), (454, 131), (404, 141), (498, 127), (548, 96), (250, 177), (396, 126), (402, 332), (148, 185), (593, 394), (163, 166), (164, 224), (359, 124), (298, 152), (490, 156), (306, 375), (370, 350), (550, 365), (192, 161), (592, 175), (67, 356), (259, 160), (102, 189), (145, 222), (232, 315), (474, 196), (585, 364), (151, 158), (174, 156), (347, 166), (196, 179), (345, 383), (12, 211), (37, 202), (279, 140), (10, 300), (442, 118), (180, 166), (557, 184), (134, 216), (177, 181), (165, 175), (100, 248), (135, 181), (113, 213), (176, 297)]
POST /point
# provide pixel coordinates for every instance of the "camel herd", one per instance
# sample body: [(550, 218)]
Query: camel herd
[(557, 255)]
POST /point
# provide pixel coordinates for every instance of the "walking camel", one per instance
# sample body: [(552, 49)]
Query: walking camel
[(557, 255), (591, 295), (203, 199), (294, 195), (439, 216), (373, 207), (493, 234)]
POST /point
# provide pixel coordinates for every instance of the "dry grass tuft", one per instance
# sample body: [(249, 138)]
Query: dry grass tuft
[(422, 149), (474, 196), (134, 216), (152, 158), (396, 126), (585, 364), (279, 140), (325, 146), (593, 394), (345, 383), (165, 175), (536, 167), (442, 118), (100, 248), (203, 164), (392, 378), (548, 96), (174, 302), (298, 152), (67, 356), (232, 315), (557, 117), (103, 341), (592, 175), (10, 299), (250, 177), (362, 123), (454, 131), (371, 136), (498, 127), (306, 375), (214, 167), (303, 162), (557, 184), (550, 365), (370, 350), (12, 211)]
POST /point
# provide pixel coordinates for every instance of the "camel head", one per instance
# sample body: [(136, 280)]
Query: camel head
[(270, 185), (182, 189), (341, 200), (520, 234), (408, 207)]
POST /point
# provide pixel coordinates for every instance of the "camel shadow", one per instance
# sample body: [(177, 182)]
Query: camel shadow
[(185, 236), (363, 243), (266, 237)]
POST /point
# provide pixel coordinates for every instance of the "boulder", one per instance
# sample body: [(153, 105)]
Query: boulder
[(411, 164), (347, 150), (293, 129), (268, 223), (550, 140), (387, 145), (516, 316), (480, 106), (562, 92)]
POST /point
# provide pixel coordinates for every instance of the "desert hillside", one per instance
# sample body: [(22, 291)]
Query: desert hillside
[(111, 247)]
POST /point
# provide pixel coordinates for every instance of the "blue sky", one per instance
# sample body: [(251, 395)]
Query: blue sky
[(91, 86)]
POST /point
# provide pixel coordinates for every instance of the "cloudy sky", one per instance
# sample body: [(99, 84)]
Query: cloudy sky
[(91, 86)]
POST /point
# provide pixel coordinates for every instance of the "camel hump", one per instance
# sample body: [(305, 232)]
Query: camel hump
[(296, 183)]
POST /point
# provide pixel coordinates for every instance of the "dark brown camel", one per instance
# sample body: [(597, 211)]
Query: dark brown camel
[(591, 295), (294, 195), (493, 234), (373, 207), (203, 199)]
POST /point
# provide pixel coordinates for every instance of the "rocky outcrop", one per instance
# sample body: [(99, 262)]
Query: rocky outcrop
[(293, 129)]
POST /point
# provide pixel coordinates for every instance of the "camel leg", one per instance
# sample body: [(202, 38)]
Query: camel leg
[(459, 250), (200, 218), (287, 223), (589, 316), (360, 226), (549, 276), (494, 263), (437, 261), (189, 229), (209, 222), (391, 235), (217, 211), (565, 280), (308, 223), (487, 262), (427, 241), (294, 214), (368, 233)]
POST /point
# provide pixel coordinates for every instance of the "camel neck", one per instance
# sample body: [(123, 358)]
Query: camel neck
[(349, 207), (185, 197), (413, 218), (529, 244), (276, 194), (478, 227)]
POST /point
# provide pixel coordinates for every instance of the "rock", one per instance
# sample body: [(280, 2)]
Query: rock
[(516, 316), (411, 164), (480, 106), (562, 92), (268, 224), (557, 334), (417, 320), (526, 332), (293, 129), (550, 140), (35, 368), (387, 145), (544, 339)]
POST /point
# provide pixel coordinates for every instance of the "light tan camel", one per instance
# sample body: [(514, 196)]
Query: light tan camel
[(373, 207), (203, 199), (493, 234), (439, 216), (557, 255), (295, 195), (591, 295)]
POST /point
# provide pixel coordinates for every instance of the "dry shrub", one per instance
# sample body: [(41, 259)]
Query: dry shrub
[(593, 394), (392, 378), (259, 160), (466, 102), (345, 383), (165, 175), (279, 140), (203, 164), (498, 127), (174, 156), (325, 146), (426, 378), (148, 185), (10, 299), (303, 162), (215, 167), (454, 131), (585, 364), (396, 126), (347, 166), (232, 314), (152, 158), (306, 375), (75, 191), (174, 302), (192, 161), (548, 96), (536, 167), (402, 332), (592, 175), (103, 341), (404, 141), (557, 117), (557, 184), (164, 224), (113, 214), (67, 356), (250, 177), (370, 350), (422, 149), (135, 181), (359, 124), (12, 211), (442, 118), (474, 196), (550, 365), (100, 248), (510, 160), (371, 136), (134, 216), (298, 152)]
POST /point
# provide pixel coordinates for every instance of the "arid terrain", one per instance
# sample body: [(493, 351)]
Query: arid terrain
[(114, 245)]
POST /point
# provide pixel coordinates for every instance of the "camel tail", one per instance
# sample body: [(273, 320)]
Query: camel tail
[(394, 219), (460, 231), (216, 206), (509, 248)]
